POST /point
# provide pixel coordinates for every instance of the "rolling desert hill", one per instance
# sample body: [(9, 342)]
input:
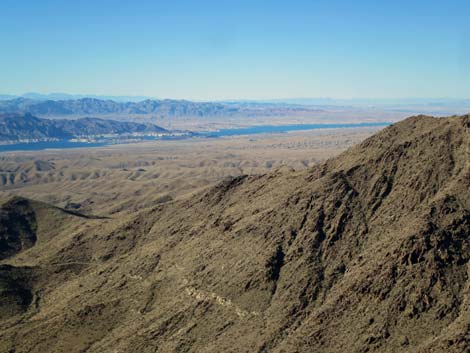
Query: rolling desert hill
[(367, 252), (125, 178)]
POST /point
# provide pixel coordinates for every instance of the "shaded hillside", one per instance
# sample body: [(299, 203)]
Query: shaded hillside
[(28, 225), (17, 227), (14, 127), (94, 126), (368, 252), (23, 222)]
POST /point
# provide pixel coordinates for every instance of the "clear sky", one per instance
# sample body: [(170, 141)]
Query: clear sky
[(237, 49)]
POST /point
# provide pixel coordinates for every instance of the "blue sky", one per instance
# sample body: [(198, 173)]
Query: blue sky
[(237, 49)]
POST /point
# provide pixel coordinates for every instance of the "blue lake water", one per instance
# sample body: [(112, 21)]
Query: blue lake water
[(262, 129), (252, 130), (37, 146)]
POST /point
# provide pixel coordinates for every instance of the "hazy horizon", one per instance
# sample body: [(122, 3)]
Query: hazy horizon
[(319, 99)]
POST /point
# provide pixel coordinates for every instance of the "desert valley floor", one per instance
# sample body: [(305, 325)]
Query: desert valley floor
[(123, 178)]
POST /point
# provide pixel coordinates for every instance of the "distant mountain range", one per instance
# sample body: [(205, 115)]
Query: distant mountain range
[(92, 106), (364, 102), (58, 105), (159, 108), (299, 101), (26, 127), (67, 96)]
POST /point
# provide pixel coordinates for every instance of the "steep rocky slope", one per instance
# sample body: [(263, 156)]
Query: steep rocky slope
[(368, 252), (34, 226)]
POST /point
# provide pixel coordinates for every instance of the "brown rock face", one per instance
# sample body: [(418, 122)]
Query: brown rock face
[(368, 252)]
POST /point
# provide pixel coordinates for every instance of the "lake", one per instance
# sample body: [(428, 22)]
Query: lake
[(262, 129)]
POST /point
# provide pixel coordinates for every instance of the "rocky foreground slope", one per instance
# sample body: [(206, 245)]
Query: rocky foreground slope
[(368, 252)]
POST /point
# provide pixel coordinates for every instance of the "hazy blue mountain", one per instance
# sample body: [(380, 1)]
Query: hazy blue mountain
[(364, 102), (67, 96), (15, 127), (7, 97), (92, 106), (169, 108)]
